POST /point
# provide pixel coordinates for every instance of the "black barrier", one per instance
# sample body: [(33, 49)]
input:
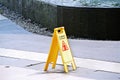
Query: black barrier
[(92, 23)]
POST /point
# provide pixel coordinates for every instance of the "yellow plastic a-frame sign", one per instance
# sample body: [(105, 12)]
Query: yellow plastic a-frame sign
[(60, 44)]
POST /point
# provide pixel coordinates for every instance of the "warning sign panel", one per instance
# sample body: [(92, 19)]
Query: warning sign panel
[(64, 46), (60, 44)]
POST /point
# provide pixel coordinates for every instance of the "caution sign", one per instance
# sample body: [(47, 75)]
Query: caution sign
[(60, 44), (64, 46)]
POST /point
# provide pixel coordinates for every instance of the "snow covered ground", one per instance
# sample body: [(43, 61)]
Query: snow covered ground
[(2, 17), (85, 3)]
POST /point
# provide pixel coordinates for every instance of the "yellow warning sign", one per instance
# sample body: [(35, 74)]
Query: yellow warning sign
[(60, 44)]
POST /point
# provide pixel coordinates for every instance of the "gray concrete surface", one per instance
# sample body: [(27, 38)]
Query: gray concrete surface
[(88, 74), (8, 27), (14, 37)]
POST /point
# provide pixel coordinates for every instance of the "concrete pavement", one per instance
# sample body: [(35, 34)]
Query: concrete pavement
[(19, 60), (19, 39), (24, 69), (15, 37), (14, 73)]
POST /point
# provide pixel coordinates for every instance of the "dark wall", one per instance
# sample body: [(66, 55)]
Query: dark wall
[(92, 23), (83, 22)]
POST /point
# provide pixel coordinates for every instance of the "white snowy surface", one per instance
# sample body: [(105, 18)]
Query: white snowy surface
[(2, 18), (85, 3)]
